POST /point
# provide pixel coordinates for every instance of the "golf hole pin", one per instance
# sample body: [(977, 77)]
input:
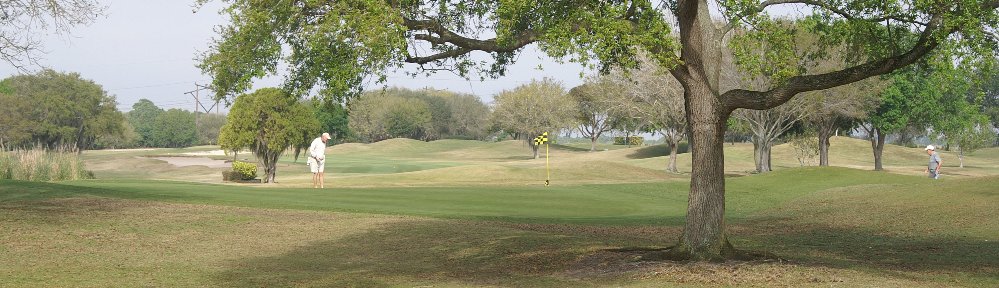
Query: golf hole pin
[(538, 141)]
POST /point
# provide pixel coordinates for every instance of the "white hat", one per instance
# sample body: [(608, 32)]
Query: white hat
[(929, 147), (326, 135)]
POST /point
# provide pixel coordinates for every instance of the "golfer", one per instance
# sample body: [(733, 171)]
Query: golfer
[(933, 169), (317, 159)]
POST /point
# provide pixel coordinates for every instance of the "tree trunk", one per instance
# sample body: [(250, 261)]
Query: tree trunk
[(878, 143), (704, 230), (960, 155), (824, 134), (536, 149), (671, 166), (761, 151), (79, 138), (270, 166), (703, 235), (593, 143)]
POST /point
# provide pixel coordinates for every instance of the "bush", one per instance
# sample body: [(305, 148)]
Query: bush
[(806, 148), (632, 141), (245, 171), (42, 165)]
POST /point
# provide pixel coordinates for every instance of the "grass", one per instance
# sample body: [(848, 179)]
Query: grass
[(41, 165), (474, 214), (594, 204)]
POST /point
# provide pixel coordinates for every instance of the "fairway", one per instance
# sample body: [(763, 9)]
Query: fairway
[(404, 213)]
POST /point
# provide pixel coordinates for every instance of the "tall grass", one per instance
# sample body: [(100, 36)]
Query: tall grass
[(42, 165)]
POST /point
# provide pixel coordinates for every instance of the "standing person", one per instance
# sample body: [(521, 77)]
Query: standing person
[(317, 159), (933, 169)]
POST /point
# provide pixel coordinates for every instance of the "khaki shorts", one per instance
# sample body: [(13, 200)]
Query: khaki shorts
[(317, 166)]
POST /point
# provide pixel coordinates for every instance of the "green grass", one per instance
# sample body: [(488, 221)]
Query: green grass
[(603, 204), (406, 213)]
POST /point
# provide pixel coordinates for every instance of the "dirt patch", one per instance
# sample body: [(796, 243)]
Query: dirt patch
[(194, 161), (610, 263)]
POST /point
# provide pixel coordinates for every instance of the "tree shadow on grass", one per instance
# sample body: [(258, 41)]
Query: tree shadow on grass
[(432, 252), (655, 151), (18, 191), (479, 253), (888, 254)]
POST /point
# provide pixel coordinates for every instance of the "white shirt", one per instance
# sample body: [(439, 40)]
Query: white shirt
[(318, 149)]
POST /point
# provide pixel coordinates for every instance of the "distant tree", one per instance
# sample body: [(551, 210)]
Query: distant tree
[(990, 100), (894, 112), (594, 109), (58, 109), (409, 118), (128, 138), (23, 21), (143, 118), (382, 115), (534, 108), (837, 108), (439, 110), (915, 97), (424, 114), (959, 117), (766, 126), (174, 128), (651, 95), (333, 119), (366, 117), (469, 117), (209, 126), (268, 121), (975, 133), (15, 126)]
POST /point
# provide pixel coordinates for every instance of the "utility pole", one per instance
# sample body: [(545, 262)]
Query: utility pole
[(198, 105)]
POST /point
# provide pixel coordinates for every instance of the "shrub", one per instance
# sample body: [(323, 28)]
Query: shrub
[(42, 165), (245, 170), (632, 141), (806, 148)]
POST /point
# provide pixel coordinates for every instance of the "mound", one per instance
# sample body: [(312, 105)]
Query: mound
[(397, 144)]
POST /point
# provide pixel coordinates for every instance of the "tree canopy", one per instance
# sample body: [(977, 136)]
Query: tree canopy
[(56, 110), (595, 108), (534, 108), (174, 128), (268, 122)]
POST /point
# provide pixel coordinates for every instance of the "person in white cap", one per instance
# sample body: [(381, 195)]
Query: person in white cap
[(933, 169), (317, 160)]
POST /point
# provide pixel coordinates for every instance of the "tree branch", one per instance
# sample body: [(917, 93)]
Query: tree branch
[(465, 44), (740, 98), (838, 11)]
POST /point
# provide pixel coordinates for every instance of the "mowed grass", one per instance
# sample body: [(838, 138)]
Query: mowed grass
[(427, 227)]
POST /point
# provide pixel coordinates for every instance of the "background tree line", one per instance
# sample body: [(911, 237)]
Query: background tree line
[(53, 110), (155, 127), (418, 114)]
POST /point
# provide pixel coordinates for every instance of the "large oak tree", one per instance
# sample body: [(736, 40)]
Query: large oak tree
[(335, 45)]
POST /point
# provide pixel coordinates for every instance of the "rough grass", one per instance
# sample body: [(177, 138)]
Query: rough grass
[(41, 165)]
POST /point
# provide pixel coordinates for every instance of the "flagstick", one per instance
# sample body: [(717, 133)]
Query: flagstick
[(547, 170)]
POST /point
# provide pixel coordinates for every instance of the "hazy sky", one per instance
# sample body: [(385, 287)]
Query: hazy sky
[(146, 49)]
